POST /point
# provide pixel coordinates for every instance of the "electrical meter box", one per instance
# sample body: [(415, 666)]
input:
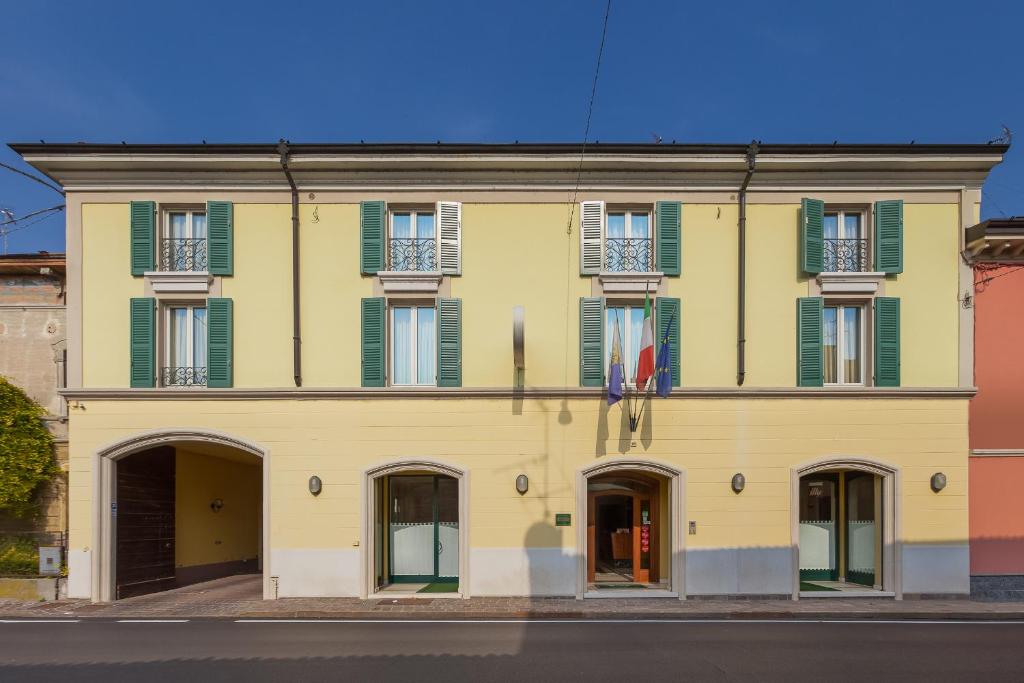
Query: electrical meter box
[(49, 560)]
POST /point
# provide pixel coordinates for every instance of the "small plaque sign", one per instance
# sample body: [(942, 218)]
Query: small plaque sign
[(563, 519)]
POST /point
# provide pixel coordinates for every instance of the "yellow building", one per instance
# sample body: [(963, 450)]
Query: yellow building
[(366, 369)]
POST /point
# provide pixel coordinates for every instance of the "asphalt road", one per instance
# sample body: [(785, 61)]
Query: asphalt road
[(208, 651)]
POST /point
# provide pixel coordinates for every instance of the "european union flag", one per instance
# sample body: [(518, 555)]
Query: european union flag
[(663, 366)]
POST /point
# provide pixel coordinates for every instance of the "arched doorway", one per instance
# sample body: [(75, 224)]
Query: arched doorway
[(844, 520), (629, 530), (178, 507), (415, 529)]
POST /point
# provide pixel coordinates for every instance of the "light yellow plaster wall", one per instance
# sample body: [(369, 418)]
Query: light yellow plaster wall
[(203, 536), (928, 288), (550, 440), (106, 270)]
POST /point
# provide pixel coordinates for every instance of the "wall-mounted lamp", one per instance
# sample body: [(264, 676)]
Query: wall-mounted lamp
[(217, 504), (522, 484), (738, 482), (938, 481), (315, 485)]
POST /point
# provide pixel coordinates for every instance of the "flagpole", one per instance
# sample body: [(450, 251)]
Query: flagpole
[(650, 382)]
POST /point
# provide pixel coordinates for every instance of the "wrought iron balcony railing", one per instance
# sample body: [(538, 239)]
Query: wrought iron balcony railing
[(183, 377), (183, 254), (846, 255), (412, 253), (629, 255)]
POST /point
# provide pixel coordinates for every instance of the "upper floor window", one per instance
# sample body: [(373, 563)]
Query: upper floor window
[(413, 346), (846, 245), (412, 242), (628, 243), (631, 323), (183, 246), (185, 358), (843, 344)]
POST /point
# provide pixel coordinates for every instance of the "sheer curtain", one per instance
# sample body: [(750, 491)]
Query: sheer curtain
[(426, 345), (616, 231), (199, 337), (401, 351), (830, 223), (425, 251), (640, 229), (401, 232), (830, 335), (851, 344), (179, 338)]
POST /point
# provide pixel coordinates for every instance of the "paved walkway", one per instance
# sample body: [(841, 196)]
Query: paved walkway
[(239, 597)]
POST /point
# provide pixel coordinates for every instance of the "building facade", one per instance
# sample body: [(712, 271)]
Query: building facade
[(32, 356), (366, 369), (997, 435)]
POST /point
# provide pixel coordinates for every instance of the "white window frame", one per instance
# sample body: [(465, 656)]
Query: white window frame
[(190, 214), (862, 345), (413, 347), (413, 213), (168, 331), (841, 214), (629, 377), (628, 213)]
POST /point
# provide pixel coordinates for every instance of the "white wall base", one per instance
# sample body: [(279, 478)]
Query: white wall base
[(936, 568), (80, 574), (315, 573), (739, 571), (522, 571)]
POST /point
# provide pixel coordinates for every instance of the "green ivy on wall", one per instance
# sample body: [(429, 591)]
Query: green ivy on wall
[(26, 451)]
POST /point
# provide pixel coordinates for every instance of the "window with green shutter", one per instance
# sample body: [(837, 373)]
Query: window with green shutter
[(887, 341), (449, 343), (373, 344), (143, 237), (668, 237), (667, 313), (889, 236), (809, 352), (220, 221), (142, 342), (812, 236), (219, 334), (591, 341), (372, 235)]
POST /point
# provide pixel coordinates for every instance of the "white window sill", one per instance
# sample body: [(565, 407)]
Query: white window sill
[(410, 281), (850, 283), (179, 281), (629, 282)]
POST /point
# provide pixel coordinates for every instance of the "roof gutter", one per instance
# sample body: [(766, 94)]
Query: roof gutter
[(741, 301), (283, 150)]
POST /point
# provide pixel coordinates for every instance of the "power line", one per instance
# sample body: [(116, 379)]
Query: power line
[(58, 207), (34, 177)]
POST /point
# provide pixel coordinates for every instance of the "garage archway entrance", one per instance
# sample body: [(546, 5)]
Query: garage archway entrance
[(178, 509)]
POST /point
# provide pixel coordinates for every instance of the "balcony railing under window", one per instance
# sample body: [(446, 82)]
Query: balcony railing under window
[(846, 255), (629, 255), (412, 253), (183, 254), (183, 377)]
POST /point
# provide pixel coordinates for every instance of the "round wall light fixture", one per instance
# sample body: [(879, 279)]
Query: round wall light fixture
[(938, 481), (739, 482), (315, 485), (217, 504), (522, 484)]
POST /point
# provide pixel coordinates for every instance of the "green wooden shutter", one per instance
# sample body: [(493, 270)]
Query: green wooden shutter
[(889, 236), (219, 343), (812, 235), (372, 234), (143, 237), (810, 361), (666, 309), (373, 341), (591, 341), (668, 237), (220, 221), (143, 342), (887, 341), (449, 342)]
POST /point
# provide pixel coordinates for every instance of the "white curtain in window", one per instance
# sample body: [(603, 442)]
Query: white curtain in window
[(179, 337), (401, 346), (199, 337), (830, 334), (851, 344), (425, 251), (401, 226), (426, 345), (178, 225), (199, 225), (616, 231), (636, 328)]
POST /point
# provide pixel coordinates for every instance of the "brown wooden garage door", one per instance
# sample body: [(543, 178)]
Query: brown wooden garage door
[(145, 522)]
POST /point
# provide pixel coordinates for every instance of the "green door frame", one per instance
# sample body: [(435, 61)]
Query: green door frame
[(419, 578)]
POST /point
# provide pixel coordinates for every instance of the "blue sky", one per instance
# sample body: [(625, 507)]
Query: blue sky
[(500, 71)]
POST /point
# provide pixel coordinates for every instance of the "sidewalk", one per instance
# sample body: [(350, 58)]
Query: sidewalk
[(238, 598)]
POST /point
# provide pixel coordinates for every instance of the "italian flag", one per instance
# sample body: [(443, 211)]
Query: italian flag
[(645, 361)]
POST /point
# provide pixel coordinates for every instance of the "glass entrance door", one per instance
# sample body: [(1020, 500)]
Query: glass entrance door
[(861, 529), (819, 537), (423, 528)]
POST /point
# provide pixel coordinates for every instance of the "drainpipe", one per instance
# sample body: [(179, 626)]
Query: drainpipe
[(282, 148), (741, 313)]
